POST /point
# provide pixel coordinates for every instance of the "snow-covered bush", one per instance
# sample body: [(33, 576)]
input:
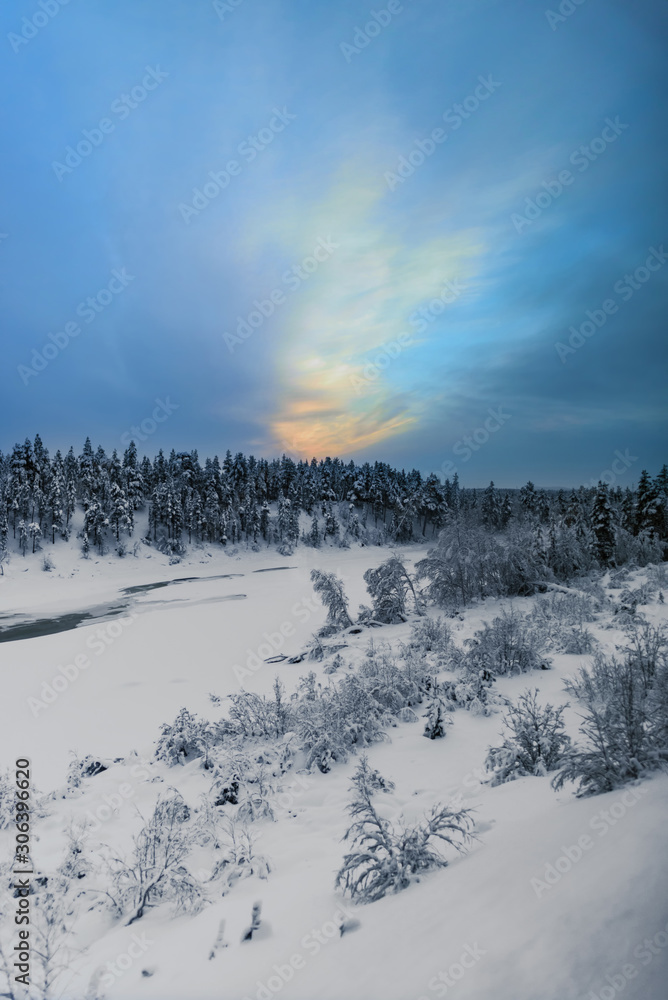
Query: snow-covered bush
[(184, 739), (431, 635), (253, 715), (385, 857), (74, 864), (330, 590), (245, 773), (392, 687), (569, 607), (436, 715), (625, 721), (172, 547), (638, 550), (231, 766), (576, 639), (648, 649), (336, 721), (240, 859), (535, 741), (155, 872), (560, 620), (508, 646)]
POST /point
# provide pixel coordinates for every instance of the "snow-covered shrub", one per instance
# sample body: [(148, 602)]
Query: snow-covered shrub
[(436, 715), (256, 801), (254, 715), (508, 646), (644, 593), (618, 578), (391, 687), (74, 864), (648, 649), (330, 590), (172, 547), (418, 668), (474, 694), (385, 857), (47, 563), (51, 943), (336, 721), (639, 550), (535, 741), (335, 665), (576, 639), (559, 620), (184, 739), (569, 608), (658, 575), (389, 586), (245, 774), (321, 736), (624, 727), (431, 635), (155, 872), (230, 766), (234, 845), (363, 704)]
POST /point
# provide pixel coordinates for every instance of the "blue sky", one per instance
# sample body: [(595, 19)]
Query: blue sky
[(313, 112)]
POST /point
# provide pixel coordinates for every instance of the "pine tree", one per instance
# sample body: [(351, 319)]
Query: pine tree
[(490, 507), (331, 521), (23, 536), (649, 515), (603, 525), (314, 534), (529, 499), (34, 533), (55, 504), (121, 513), (264, 521)]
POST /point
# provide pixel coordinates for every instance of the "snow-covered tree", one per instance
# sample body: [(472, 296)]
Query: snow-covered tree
[(389, 586), (329, 588), (436, 716), (603, 525)]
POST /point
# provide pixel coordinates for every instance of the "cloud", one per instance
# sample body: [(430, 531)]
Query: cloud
[(359, 299)]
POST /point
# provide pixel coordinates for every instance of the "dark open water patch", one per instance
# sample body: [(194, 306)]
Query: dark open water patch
[(144, 588), (273, 569), (14, 627), (31, 628)]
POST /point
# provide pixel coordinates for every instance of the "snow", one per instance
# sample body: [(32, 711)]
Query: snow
[(490, 925)]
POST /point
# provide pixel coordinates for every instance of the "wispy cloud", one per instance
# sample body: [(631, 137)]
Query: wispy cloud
[(360, 301)]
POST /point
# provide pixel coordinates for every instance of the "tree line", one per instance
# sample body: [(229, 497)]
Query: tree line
[(255, 501)]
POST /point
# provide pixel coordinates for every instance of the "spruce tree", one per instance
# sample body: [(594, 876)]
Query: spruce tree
[(603, 525)]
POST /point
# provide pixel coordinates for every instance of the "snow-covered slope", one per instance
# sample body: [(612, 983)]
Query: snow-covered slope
[(558, 897)]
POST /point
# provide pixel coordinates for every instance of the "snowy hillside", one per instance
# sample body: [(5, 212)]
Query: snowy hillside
[(556, 897)]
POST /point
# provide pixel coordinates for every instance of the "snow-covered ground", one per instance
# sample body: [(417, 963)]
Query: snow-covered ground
[(558, 898)]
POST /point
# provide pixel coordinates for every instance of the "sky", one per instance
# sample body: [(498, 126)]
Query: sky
[(427, 232)]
